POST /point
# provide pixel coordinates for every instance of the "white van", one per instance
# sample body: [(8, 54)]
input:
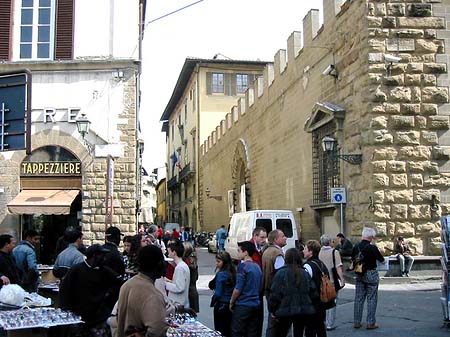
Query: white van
[(242, 225)]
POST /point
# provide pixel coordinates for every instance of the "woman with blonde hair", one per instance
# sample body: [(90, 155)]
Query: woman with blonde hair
[(190, 257)]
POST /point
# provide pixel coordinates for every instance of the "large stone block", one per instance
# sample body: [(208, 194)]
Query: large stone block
[(379, 165), (399, 212), (428, 80), (378, 197), (423, 166), (438, 122), (396, 166), (435, 68), (396, 9), (382, 137), (399, 180), (441, 152), (380, 228), (419, 212), (400, 94), (407, 33), (412, 79), (421, 22), (441, 180), (401, 122), (404, 229), (416, 180), (419, 10), (435, 95), (414, 153), (399, 197), (392, 108), (429, 137), (382, 212), (386, 153), (427, 46), (424, 196), (420, 122), (429, 109), (408, 138), (394, 80), (416, 245), (379, 122), (380, 180), (410, 108)]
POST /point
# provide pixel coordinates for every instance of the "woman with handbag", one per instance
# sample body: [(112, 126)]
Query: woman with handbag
[(291, 296), (223, 285), (331, 258)]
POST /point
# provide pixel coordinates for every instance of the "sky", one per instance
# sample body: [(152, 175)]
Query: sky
[(238, 29)]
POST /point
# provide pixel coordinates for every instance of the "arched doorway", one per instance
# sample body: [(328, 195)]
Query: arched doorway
[(241, 177), (49, 200)]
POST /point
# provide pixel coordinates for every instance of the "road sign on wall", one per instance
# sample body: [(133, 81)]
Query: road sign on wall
[(338, 195)]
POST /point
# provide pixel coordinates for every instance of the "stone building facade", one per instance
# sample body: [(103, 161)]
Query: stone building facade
[(95, 73), (374, 77)]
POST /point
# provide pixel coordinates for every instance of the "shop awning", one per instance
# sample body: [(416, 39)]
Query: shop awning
[(43, 202)]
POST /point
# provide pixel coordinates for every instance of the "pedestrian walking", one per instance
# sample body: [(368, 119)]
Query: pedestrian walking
[(272, 260), (223, 285), (221, 236), (366, 285), (113, 258), (69, 256), (25, 256), (291, 296), (344, 245), (331, 258), (315, 327), (245, 299)]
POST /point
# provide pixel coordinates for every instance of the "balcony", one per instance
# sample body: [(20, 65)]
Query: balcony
[(173, 183), (186, 172)]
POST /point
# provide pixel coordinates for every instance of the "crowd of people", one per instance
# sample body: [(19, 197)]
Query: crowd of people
[(291, 282), (130, 293)]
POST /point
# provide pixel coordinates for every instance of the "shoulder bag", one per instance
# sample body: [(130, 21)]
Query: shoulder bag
[(336, 282)]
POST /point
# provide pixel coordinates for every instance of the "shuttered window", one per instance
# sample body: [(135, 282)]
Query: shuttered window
[(5, 27), (64, 30)]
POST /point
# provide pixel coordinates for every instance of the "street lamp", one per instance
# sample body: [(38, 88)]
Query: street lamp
[(83, 124), (328, 146)]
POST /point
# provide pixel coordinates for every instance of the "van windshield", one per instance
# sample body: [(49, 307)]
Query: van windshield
[(286, 226), (264, 223)]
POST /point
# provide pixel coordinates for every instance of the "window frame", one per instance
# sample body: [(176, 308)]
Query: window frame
[(216, 86), (241, 88), (17, 44)]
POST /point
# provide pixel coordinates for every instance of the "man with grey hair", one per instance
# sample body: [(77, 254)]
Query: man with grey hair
[(331, 258), (367, 282), (272, 260)]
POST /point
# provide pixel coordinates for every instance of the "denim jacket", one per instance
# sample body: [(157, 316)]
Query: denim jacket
[(25, 256)]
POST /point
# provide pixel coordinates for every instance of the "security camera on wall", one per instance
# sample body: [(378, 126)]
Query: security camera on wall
[(328, 70), (391, 58)]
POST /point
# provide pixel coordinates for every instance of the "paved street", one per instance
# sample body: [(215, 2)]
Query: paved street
[(403, 310)]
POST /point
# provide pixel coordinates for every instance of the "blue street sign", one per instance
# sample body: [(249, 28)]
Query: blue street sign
[(338, 195)]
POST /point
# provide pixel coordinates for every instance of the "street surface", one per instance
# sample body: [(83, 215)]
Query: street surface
[(403, 310)]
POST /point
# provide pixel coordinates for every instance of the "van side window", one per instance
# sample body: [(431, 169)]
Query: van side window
[(264, 223), (286, 226)]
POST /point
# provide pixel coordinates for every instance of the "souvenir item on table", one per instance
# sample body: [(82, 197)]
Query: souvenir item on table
[(186, 325), (36, 300), (12, 294), (27, 318)]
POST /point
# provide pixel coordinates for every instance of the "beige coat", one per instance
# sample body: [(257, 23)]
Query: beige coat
[(141, 305)]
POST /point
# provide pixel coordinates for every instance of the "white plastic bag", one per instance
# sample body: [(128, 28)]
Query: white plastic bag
[(12, 294)]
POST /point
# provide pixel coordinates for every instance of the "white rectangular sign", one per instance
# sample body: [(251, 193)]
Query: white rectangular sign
[(338, 195)]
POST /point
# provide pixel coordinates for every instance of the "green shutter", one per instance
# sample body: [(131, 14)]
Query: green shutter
[(227, 83), (208, 83), (5, 29)]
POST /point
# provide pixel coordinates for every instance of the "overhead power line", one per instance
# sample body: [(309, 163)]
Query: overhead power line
[(175, 11)]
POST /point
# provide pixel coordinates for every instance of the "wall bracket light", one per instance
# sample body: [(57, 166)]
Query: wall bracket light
[(328, 146), (83, 125)]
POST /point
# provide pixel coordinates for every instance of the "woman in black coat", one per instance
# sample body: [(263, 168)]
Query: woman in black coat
[(291, 296)]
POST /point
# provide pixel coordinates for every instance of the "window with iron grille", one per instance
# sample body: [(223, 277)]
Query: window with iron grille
[(325, 166)]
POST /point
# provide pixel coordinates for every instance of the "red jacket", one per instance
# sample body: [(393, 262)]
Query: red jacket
[(257, 256)]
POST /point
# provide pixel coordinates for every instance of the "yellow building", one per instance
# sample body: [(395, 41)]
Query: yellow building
[(204, 93), (161, 202)]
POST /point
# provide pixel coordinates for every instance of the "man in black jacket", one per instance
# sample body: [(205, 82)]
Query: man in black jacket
[(113, 258), (9, 272), (90, 290), (367, 283)]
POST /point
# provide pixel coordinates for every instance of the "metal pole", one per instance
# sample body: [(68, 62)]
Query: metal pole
[(342, 217)]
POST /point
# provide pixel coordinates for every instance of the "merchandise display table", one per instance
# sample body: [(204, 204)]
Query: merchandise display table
[(184, 325)]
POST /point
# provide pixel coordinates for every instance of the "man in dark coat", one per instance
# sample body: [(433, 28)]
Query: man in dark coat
[(113, 258), (90, 290), (9, 272)]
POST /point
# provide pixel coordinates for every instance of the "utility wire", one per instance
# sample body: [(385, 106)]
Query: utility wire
[(175, 11)]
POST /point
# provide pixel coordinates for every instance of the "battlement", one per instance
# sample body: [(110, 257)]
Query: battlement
[(283, 58)]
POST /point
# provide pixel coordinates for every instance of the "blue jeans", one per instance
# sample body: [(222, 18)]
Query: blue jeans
[(244, 321)]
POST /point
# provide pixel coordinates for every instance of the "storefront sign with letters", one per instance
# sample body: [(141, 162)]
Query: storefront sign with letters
[(52, 168)]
